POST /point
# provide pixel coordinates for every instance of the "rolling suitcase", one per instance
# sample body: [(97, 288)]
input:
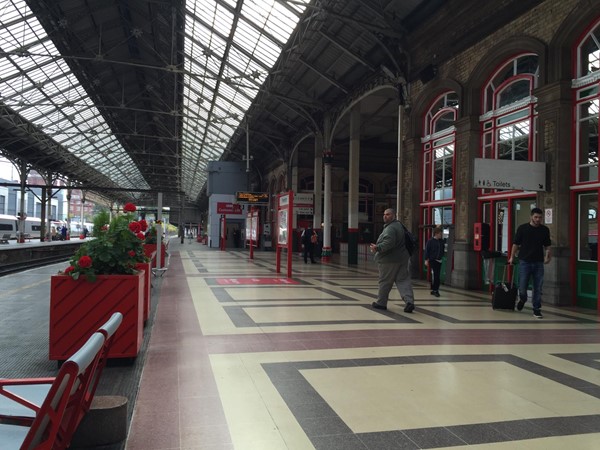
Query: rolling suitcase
[(505, 294)]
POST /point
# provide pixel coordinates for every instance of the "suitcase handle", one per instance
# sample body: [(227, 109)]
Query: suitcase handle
[(504, 274)]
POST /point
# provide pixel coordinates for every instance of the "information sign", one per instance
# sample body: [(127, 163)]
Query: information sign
[(255, 198), (509, 175)]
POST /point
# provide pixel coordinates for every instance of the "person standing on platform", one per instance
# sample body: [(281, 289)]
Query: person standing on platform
[(309, 238), (532, 242), (392, 259), (434, 252), (236, 237)]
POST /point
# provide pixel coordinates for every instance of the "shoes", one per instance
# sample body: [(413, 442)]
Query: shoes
[(432, 292), (410, 307), (378, 306), (520, 305), (537, 314), (313, 262), (436, 293)]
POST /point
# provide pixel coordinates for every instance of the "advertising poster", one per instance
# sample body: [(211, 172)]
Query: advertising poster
[(282, 236), (255, 227)]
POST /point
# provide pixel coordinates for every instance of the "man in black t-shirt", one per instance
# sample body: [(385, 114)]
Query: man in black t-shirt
[(532, 241)]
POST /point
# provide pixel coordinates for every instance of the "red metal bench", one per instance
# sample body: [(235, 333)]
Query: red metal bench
[(40, 413)]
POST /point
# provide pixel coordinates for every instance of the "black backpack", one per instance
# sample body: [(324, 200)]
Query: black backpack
[(410, 241)]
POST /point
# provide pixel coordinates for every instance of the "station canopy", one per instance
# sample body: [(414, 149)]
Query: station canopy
[(129, 98)]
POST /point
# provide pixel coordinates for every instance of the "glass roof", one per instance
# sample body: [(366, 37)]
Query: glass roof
[(41, 88), (227, 59), (226, 55)]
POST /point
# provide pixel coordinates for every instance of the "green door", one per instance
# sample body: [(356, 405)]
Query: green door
[(586, 268)]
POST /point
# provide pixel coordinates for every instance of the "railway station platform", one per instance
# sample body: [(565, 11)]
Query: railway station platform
[(236, 356)]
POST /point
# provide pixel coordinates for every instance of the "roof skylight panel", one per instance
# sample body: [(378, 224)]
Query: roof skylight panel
[(278, 25), (231, 3), (7, 71), (222, 20), (266, 51), (264, 23), (17, 37), (65, 85), (13, 13), (226, 92), (25, 64), (35, 111)]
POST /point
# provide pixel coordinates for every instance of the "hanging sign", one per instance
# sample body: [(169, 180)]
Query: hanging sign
[(255, 198), (511, 175)]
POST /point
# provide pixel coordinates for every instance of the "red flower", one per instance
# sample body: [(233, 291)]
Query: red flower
[(129, 207), (84, 262), (143, 224), (68, 270), (135, 227), (141, 236), (104, 228), (131, 253)]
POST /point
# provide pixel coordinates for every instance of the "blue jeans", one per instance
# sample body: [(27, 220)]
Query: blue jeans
[(535, 270)]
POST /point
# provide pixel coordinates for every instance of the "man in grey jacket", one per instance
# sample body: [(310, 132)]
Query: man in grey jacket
[(392, 260)]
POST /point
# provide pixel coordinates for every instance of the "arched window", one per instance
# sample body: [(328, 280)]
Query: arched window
[(437, 196), (508, 132), (587, 101), (509, 121), (438, 149)]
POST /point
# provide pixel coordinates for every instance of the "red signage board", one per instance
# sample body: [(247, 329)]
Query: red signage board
[(228, 208)]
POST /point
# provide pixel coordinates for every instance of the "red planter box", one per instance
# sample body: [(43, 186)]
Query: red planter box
[(150, 248), (147, 287), (78, 308)]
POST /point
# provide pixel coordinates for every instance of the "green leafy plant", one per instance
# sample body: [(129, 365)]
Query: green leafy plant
[(116, 248), (101, 219)]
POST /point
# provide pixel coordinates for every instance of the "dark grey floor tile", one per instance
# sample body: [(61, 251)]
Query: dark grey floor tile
[(293, 398), (387, 440), (563, 426), (478, 434), (324, 426), (433, 437), (338, 442), (592, 422), (313, 410), (517, 430)]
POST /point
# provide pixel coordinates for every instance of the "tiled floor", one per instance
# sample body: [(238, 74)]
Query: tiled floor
[(243, 358)]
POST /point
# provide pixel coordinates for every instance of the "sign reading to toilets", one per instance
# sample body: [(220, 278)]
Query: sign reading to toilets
[(503, 174)]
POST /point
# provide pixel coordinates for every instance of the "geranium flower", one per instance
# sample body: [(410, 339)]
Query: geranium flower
[(135, 227), (114, 251), (69, 270), (84, 262), (129, 207), (143, 224), (104, 228)]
